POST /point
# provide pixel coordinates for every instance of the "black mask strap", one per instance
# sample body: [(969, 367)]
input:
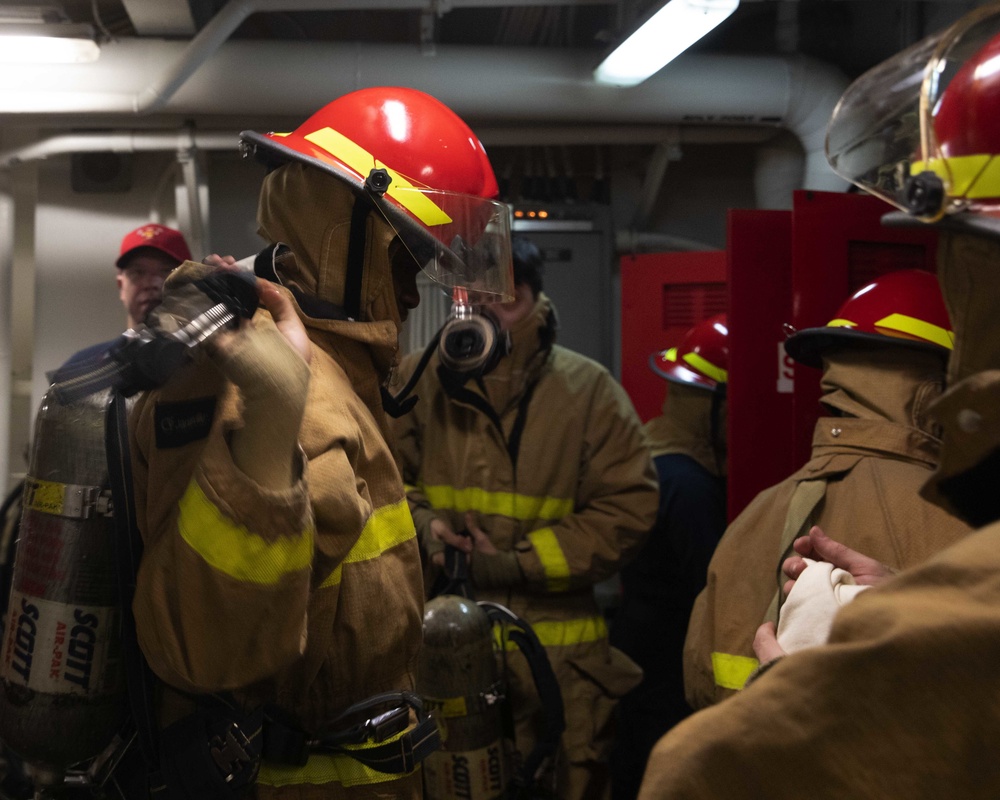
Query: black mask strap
[(356, 256), (401, 403)]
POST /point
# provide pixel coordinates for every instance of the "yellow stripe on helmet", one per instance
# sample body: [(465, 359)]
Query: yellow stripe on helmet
[(706, 367), (361, 161), (841, 323), (973, 177), (919, 329)]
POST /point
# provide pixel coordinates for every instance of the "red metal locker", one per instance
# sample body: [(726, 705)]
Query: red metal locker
[(760, 381), (663, 295), (839, 244)]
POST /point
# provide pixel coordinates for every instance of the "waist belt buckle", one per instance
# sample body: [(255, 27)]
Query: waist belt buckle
[(232, 753), (389, 723)]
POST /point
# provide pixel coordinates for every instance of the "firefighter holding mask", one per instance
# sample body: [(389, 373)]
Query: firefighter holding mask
[(281, 565)]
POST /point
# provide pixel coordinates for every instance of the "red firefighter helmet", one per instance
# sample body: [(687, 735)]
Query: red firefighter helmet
[(921, 130), (702, 357), (425, 171), (903, 308)]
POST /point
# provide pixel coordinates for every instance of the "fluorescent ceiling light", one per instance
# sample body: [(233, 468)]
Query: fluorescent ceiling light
[(27, 43), (663, 37)]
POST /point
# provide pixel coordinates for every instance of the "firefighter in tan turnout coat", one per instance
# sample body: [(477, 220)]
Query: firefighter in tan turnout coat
[(281, 562), (902, 699), (871, 454), (542, 461)]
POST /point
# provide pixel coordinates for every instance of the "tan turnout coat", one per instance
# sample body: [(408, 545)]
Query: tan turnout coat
[(577, 503), (312, 597), (870, 466)]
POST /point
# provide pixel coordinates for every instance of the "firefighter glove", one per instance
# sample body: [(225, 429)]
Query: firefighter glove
[(497, 570)]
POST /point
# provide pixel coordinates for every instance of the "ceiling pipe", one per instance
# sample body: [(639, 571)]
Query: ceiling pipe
[(135, 141), (118, 142), (541, 86)]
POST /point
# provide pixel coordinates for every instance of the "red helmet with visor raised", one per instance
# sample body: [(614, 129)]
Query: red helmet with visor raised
[(921, 130), (423, 169)]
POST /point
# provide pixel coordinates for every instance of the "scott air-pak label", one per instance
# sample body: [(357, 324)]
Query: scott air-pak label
[(57, 648), (465, 775)]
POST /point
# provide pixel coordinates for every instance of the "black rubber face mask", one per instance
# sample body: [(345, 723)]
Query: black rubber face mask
[(469, 345)]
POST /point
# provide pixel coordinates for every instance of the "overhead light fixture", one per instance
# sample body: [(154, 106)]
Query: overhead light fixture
[(60, 43), (663, 37)]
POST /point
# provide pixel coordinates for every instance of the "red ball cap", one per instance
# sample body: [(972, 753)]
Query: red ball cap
[(159, 237)]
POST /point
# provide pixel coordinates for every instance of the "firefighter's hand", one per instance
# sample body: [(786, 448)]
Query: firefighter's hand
[(491, 568), (818, 546), (765, 643), (267, 358), (286, 320), (480, 541), (441, 532), (767, 650), (215, 260)]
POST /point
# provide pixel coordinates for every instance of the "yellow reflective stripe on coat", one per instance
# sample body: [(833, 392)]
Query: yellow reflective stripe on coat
[(386, 528), (553, 559), (516, 506), (919, 328), (553, 633), (233, 549), (731, 672), (333, 768), (361, 161)]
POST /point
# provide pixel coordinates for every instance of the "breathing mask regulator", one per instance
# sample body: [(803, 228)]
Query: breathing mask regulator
[(469, 345)]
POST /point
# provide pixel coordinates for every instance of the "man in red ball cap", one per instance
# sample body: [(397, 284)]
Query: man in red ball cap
[(148, 254)]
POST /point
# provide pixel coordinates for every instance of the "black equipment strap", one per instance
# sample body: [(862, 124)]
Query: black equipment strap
[(128, 552), (285, 743), (553, 709), (363, 206)]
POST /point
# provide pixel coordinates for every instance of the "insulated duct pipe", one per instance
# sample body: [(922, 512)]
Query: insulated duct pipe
[(541, 86)]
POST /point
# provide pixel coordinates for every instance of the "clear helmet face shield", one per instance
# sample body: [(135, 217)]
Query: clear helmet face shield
[(898, 134), (460, 241)]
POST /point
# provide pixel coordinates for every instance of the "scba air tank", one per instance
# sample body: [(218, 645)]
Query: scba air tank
[(458, 679), (62, 682)]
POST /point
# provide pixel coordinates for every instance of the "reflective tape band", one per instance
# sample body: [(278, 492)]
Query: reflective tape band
[(972, 177), (521, 507), (553, 559), (841, 323), (66, 499), (919, 329), (233, 549), (706, 367), (387, 527), (553, 633), (731, 672), (336, 768), (410, 197)]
